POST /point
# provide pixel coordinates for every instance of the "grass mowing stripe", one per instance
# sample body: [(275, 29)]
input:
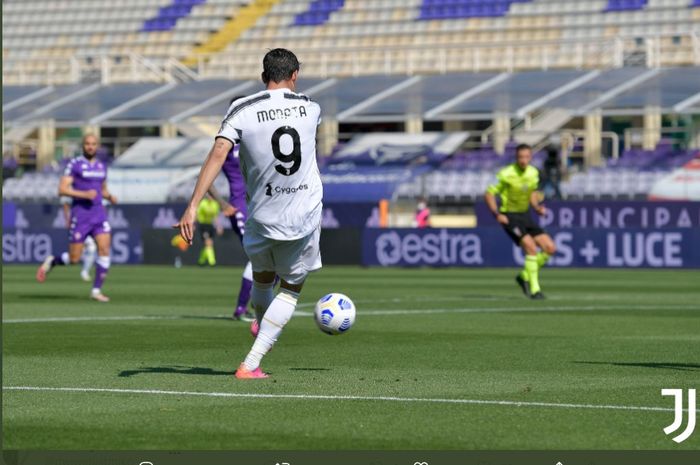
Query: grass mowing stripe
[(509, 403), (371, 312), (552, 351)]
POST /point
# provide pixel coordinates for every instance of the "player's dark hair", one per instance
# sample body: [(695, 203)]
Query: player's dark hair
[(279, 65), (522, 147)]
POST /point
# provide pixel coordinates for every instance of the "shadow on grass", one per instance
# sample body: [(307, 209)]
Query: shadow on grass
[(46, 297), (176, 370), (661, 365)]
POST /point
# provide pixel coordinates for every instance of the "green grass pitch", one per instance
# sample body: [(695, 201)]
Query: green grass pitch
[(437, 359)]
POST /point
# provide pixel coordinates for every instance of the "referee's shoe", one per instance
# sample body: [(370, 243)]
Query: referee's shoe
[(524, 285)]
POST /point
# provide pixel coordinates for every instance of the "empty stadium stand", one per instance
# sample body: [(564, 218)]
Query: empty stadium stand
[(127, 40), (505, 70)]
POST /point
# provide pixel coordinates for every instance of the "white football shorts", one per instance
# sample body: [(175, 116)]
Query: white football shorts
[(291, 260)]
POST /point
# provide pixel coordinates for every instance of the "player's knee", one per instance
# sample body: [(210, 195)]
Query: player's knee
[(103, 249), (529, 247), (548, 247), (264, 277), (295, 288)]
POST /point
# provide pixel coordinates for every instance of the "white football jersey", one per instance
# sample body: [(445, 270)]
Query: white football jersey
[(277, 133)]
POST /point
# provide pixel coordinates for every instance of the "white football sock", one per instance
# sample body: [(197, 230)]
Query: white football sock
[(261, 297), (248, 272), (276, 317), (89, 256)]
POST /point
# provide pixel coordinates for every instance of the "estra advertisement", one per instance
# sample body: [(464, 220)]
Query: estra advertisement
[(490, 247)]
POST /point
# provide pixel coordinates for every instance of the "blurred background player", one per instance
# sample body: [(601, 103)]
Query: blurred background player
[(552, 174), (283, 183), (90, 249), (207, 217), (517, 185), (85, 181), (236, 210), (422, 214)]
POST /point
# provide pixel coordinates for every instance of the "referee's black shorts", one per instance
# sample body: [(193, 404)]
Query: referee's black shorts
[(206, 231), (520, 225)]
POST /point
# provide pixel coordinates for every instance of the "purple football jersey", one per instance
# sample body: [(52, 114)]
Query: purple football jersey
[(236, 187), (236, 184), (88, 217)]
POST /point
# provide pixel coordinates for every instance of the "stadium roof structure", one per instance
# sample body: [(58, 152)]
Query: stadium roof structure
[(457, 96)]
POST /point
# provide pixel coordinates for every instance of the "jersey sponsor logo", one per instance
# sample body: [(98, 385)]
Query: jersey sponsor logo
[(281, 113), (270, 189), (93, 174)]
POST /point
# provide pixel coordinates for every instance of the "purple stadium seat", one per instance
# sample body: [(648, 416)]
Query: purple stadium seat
[(625, 5), (448, 9), (168, 16), (319, 12)]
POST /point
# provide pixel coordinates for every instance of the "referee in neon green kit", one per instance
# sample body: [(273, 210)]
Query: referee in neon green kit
[(517, 185), (207, 217)]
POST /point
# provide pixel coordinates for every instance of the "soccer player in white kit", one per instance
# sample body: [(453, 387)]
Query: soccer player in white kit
[(277, 132)]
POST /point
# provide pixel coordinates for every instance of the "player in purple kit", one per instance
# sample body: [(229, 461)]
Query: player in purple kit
[(237, 210), (84, 180)]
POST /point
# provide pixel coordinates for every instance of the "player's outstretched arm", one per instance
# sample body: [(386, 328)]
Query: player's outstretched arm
[(535, 202), (65, 187), (490, 199), (107, 195), (210, 169), (226, 208)]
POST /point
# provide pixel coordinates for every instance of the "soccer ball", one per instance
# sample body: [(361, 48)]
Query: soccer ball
[(334, 314)]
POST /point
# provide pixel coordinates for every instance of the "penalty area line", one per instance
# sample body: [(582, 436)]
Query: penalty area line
[(507, 403)]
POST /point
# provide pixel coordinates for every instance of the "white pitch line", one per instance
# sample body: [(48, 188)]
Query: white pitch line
[(90, 318), (509, 403), (370, 312)]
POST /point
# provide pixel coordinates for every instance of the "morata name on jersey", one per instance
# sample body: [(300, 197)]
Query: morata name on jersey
[(281, 113)]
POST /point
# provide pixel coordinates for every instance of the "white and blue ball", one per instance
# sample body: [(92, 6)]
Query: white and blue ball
[(335, 313)]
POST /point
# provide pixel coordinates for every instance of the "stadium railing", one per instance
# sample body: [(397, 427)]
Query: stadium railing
[(653, 50)]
